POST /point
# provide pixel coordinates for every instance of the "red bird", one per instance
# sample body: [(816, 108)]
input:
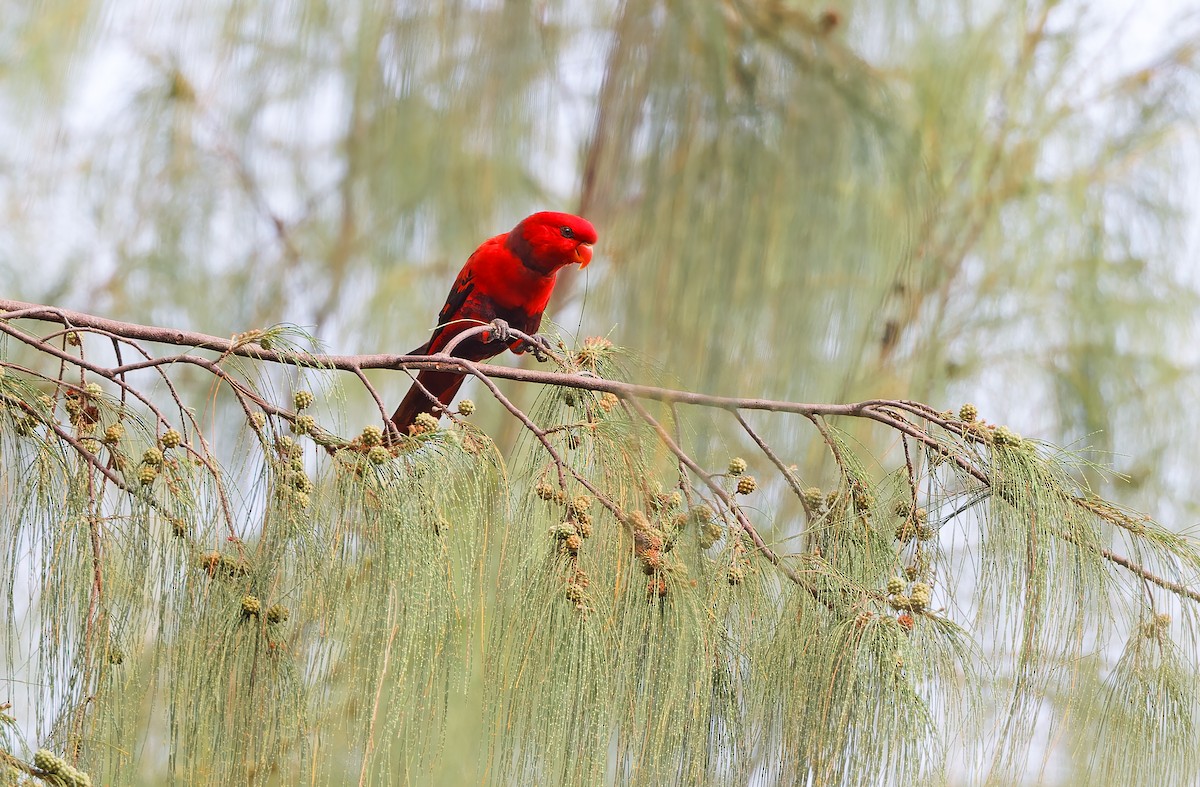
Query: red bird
[(507, 281)]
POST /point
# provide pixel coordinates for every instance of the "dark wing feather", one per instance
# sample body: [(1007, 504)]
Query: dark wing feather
[(462, 289), (458, 296)]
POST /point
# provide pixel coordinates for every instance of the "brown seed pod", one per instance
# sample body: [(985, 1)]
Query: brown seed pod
[(652, 560)]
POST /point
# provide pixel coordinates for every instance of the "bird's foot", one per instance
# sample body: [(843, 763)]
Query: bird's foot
[(498, 332), (539, 345)]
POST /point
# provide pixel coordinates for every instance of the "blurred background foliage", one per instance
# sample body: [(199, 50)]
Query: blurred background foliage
[(817, 201)]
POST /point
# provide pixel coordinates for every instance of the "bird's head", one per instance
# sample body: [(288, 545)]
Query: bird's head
[(548, 241)]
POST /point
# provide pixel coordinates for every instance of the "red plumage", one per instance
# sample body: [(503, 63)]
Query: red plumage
[(510, 277)]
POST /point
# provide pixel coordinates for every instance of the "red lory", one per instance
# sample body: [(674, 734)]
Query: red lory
[(507, 282)]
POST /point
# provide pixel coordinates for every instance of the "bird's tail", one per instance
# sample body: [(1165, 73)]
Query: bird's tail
[(443, 385)]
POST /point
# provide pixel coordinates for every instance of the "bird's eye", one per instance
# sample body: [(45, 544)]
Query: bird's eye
[(567, 232)]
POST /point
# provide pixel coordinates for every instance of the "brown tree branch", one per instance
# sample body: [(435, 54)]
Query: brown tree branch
[(11, 310)]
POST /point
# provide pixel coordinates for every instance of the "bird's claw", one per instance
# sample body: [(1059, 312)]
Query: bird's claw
[(538, 345), (498, 331)]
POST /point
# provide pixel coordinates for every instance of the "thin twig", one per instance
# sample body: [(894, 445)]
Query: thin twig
[(540, 434), (362, 378), (748, 528), (785, 471)]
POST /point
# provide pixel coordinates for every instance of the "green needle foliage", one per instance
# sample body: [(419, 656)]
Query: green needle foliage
[(322, 609)]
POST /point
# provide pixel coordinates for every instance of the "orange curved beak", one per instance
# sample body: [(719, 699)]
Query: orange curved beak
[(583, 254)]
